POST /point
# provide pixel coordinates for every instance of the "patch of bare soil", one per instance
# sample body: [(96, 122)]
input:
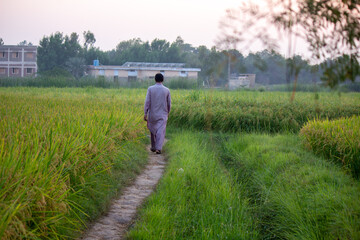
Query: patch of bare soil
[(122, 212)]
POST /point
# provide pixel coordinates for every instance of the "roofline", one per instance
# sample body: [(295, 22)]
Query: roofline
[(108, 67), (20, 46)]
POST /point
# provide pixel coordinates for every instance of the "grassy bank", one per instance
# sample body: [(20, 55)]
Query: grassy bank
[(294, 194), (63, 155), (196, 199)]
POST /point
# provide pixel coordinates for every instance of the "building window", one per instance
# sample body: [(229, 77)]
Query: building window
[(3, 54), (101, 72), (29, 70), (132, 73), (2, 70), (29, 55), (183, 74), (15, 70), (15, 55)]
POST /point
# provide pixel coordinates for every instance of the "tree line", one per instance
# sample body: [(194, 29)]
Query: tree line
[(59, 53)]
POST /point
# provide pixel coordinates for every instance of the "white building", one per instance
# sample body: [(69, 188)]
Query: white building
[(142, 70), (242, 81)]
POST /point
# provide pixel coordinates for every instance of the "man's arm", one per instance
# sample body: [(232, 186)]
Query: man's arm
[(168, 102), (147, 104)]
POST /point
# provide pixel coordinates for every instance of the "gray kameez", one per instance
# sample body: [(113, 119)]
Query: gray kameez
[(157, 107)]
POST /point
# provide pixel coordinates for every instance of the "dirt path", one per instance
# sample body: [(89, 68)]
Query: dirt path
[(121, 214)]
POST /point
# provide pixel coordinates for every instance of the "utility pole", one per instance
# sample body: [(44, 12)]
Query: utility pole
[(228, 68)]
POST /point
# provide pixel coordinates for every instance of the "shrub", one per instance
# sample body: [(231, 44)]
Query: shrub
[(338, 140)]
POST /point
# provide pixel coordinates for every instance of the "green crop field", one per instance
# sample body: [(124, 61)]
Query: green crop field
[(242, 169), (338, 139)]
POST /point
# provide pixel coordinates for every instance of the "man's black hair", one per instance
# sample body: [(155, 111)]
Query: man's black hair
[(159, 77)]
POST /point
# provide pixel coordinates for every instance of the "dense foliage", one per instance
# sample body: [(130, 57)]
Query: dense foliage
[(59, 51), (338, 140)]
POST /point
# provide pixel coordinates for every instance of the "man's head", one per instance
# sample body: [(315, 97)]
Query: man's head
[(159, 77)]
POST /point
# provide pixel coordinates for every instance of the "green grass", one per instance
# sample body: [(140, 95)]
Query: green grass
[(196, 199), (295, 195)]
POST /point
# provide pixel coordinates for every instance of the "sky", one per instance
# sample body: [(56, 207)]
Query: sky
[(113, 21)]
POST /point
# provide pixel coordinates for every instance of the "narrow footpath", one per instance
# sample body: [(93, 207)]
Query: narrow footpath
[(122, 212)]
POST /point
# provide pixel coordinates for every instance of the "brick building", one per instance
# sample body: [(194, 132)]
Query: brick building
[(18, 61)]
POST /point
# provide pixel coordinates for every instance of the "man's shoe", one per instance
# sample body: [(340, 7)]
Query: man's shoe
[(152, 149), (158, 152)]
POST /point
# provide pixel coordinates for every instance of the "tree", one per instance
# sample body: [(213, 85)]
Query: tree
[(55, 50), (331, 28), (51, 52), (76, 66), (89, 39), (25, 43), (1, 42), (71, 45)]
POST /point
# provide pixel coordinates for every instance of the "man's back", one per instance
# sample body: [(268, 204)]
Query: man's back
[(158, 102), (156, 111)]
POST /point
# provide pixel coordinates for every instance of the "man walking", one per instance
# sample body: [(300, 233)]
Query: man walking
[(156, 111)]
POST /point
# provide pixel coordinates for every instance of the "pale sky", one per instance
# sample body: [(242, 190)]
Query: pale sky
[(112, 21)]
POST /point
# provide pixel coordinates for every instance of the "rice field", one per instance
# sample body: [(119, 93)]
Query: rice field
[(245, 111), (64, 153), (57, 149), (338, 140)]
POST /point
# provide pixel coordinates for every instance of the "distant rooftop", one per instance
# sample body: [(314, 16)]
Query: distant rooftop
[(159, 65), (18, 46)]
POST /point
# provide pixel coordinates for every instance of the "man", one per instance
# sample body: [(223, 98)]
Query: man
[(156, 111)]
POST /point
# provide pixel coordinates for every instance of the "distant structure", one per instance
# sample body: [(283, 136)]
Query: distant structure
[(242, 81), (18, 61), (131, 71)]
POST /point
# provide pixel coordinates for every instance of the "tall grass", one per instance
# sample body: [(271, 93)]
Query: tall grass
[(196, 199), (100, 82), (295, 195), (60, 154), (338, 140), (257, 111)]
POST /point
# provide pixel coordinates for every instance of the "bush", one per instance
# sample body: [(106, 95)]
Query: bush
[(181, 83), (338, 140)]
